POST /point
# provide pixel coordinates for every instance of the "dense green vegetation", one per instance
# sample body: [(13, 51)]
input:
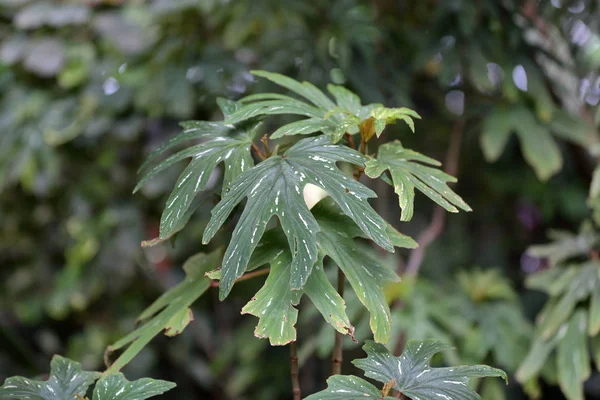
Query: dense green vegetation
[(90, 91)]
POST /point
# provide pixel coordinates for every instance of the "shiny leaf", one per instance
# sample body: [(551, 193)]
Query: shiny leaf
[(415, 378), (66, 381), (117, 387), (274, 187), (410, 170)]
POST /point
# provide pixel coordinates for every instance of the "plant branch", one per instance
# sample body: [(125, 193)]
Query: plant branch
[(337, 356), (245, 277), (258, 152), (265, 142), (295, 370), (438, 220)]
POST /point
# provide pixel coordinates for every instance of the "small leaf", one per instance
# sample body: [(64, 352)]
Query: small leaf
[(274, 187), (408, 172), (66, 381), (221, 144), (579, 288), (345, 98), (164, 309), (304, 89), (348, 388), (304, 127), (117, 387), (178, 322), (274, 107), (538, 147), (496, 131), (538, 355), (414, 377), (573, 357)]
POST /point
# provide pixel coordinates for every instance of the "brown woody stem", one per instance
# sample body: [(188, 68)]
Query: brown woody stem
[(295, 370), (337, 356)]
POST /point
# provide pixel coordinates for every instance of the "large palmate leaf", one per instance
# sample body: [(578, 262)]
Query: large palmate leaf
[(275, 187), (220, 142), (117, 387), (66, 381), (409, 171), (347, 116), (415, 378), (170, 312), (275, 302), (409, 374), (364, 272)]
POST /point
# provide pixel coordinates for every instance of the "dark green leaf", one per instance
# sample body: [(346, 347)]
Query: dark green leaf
[(348, 388), (408, 172), (413, 376), (117, 387), (274, 187), (66, 381), (221, 143)]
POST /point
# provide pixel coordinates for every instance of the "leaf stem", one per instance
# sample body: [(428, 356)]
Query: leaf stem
[(265, 142), (350, 141), (295, 370), (337, 355), (245, 277), (258, 152)]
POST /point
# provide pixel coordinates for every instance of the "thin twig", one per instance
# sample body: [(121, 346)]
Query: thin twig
[(258, 152), (245, 277), (436, 226), (295, 370), (337, 356)]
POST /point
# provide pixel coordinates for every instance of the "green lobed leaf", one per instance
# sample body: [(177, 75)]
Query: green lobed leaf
[(573, 357), (304, 127), (566, 245), (366, 274), (117, 387), (345, 98), (304, 89), (327, 300), (409, 172), (415, 378), (537, 356), (274, 107), (221, 143), (348, 388), (275, 187), (169, 311), (580, 287), (65, 382), (274, 304)]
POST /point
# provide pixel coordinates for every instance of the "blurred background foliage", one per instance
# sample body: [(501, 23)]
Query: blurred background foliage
[(89, 88)]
